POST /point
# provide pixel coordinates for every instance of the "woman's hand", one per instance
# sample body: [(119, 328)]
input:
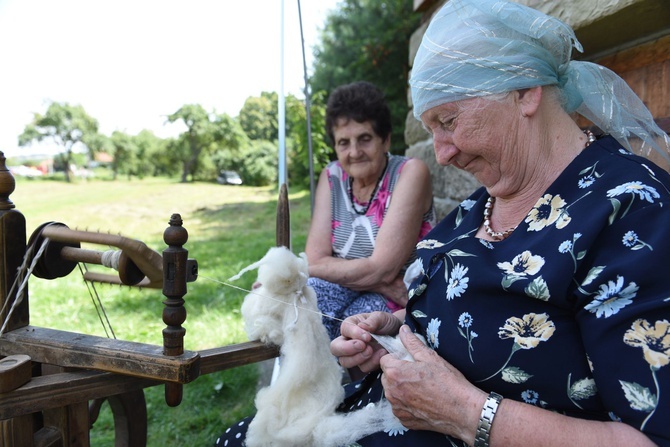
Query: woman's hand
[(429, 393), (356, 347), (395, 291)]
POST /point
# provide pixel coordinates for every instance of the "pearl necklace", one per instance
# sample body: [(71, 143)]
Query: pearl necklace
[(488, 208), (590, 138), (497, 235)]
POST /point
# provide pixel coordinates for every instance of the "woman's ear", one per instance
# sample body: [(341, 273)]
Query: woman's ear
[(529, 100), (387, 143)]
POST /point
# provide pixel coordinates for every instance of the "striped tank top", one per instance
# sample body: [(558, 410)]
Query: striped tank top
[(353, 235)]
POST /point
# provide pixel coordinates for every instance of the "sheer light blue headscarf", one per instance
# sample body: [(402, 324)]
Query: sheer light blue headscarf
[(476, 48)]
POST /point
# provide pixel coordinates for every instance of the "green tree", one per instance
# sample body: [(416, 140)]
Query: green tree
[(66, 125), (151, 155), (368, 40), (96, 143), (206, 133), (298, 146), (124, 153), (259, 117)]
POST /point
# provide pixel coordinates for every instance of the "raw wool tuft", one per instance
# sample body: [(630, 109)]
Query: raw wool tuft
[(283, 279), (298, 408), (394, 346)]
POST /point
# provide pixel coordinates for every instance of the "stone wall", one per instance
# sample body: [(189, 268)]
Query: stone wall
[(631, 37)]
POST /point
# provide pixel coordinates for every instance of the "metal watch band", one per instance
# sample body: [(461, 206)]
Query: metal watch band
[(486, 419)]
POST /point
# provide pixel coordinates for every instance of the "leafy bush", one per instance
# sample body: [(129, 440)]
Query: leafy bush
[(256, 163)]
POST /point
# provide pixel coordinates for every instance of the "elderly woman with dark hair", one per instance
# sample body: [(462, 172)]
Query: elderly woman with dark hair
[(371, 208)]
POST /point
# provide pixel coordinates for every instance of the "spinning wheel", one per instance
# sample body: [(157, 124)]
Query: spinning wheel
[(49, 377)]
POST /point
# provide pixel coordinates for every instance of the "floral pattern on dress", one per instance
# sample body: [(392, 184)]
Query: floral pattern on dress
[(590, 175), (568, 246), (636, 188), (522, 267), (632, 241), (429, 244), (465, 205), (549, 210), (571, 312), (465, 321), (612, 297), (457, 281), (527, 332), (581, 389), (433, 333), (655, 343), (524, 264)]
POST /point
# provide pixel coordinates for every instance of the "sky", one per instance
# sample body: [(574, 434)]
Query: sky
[(130, 63)]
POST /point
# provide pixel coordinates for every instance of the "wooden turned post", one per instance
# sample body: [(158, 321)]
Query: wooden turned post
[(283, 235), (175, 259), (16, 431), (12, 250)]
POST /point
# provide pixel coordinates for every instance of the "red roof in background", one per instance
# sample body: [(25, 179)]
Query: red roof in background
[(103, 157)]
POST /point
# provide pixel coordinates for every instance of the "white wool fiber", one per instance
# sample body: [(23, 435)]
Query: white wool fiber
[(298, 408)]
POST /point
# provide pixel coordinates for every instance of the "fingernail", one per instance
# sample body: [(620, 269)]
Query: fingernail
[(405, 329)]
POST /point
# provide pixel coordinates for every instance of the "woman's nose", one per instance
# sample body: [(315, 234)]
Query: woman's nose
[(444, 147), (354, 150)]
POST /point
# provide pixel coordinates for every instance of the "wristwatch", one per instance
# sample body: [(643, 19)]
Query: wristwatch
[(486, 419)]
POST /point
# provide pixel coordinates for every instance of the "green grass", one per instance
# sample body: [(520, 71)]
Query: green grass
[(229, 228)]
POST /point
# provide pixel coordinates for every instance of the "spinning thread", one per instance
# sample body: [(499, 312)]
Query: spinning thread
[(242, 289), (22, 276), (391, 344)]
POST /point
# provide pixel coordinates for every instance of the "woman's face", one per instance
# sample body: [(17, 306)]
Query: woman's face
[(479, 136), (360, 151)]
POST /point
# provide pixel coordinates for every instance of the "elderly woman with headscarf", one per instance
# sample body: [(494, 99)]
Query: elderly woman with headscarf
[(544, 297)]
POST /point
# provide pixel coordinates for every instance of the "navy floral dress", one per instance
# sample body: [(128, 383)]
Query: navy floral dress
[(571, 312)]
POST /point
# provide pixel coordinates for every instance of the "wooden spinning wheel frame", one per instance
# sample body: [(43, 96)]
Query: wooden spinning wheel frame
[(53, 382)]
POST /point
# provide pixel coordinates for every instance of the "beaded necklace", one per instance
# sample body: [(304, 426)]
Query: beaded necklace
[(350, 188)]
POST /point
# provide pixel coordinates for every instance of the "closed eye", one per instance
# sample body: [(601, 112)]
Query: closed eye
[(449, 124)]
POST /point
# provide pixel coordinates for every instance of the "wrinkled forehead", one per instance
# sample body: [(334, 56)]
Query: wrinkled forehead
[(452, 108)]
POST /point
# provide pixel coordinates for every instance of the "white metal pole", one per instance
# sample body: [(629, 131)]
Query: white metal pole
[(282, 108)]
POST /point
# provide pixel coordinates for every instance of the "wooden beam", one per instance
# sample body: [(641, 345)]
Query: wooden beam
[(58, 390), (649, 53), (76, 350), (227, 357), (61, 389)]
